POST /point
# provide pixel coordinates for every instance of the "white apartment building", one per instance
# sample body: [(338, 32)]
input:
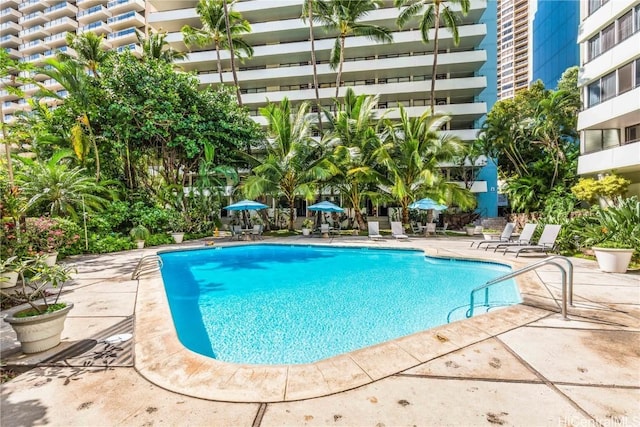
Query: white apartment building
[(609, 123), (34, 30), (513, 46)]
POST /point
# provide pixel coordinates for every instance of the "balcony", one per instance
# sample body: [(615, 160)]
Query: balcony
[(9, 15), (13, 53), (123, 37), (9, 41), (61, 9), (34, 18), (11, 3), (135, 49), (126, 20), (36, 58), (10, 28), (30, 6), (93, 14), (56, 40), (10, 107), (52, 85), (30, 89), (623, 159), (120, 6), (53, 52), (37, 32), (35, 46), (61, 24), (98, 27), (85, 4)]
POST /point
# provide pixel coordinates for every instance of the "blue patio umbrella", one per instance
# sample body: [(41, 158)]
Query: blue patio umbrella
[(246, 205), (325, 206), (427, 204)]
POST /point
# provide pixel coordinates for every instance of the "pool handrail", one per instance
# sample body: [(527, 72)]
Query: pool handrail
[(567, 294)]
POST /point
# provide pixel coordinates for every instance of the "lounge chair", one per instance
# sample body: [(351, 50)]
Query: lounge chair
[(523, 240), (416, 229), (546, 242), (256, 233), (236, 232), (442, 230), (504, 237), (374, 230), (397, 231)]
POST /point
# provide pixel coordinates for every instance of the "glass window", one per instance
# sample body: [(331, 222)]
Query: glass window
[(637, 73), (610, 138), (637, 24), (592, 141), (632, 133), (625, 81), (594, 46), (593, 93), (625, 26), (608, 37), (608, 86), (593, 6)]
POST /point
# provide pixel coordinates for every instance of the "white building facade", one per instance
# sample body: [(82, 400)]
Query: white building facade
[(609, 123)]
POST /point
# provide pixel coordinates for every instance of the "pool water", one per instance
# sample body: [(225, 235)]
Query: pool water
[(285, 304)]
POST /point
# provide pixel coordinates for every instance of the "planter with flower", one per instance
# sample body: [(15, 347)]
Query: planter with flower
[(139, 234), (178, 225), (46, 236), (614, 234), (38, 315), (307, 226)]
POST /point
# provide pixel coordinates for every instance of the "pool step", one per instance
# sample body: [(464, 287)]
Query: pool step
[(460, 313)]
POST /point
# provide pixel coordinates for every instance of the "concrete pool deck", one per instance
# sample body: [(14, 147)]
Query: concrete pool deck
[(522, 365)]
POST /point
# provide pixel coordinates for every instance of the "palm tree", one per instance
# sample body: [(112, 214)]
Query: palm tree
[(72, 77), (307, 12), (59, 190), (355, 140), (431, 12), (343, 16), (214, 31), (412, 152), (292, 164), (89, 48), (155, 46)]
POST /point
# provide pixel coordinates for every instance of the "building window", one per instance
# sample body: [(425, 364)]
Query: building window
[(593, 93), (625, 26), (637, 24), (632, 133), (625, 81), (600, 139), (608, 37), (608, 88), (594, 46), (637, 73)]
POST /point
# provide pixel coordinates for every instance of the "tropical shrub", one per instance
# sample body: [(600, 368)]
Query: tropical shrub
[(155, 219), (608, 187), (43, 235), (115, 242), (158, 239)]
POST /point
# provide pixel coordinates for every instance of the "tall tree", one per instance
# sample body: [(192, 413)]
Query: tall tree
[(354, 136), (431, 13), (215, 30), (155, 45), (413, 150), (89, 49), (292, 163), (344, 16), (307, 13)]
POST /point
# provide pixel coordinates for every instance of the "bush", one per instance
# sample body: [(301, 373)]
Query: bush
[(112, 219), (159, 239), (155, 219), (115, 242)]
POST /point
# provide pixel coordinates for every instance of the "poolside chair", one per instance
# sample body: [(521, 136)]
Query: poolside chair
[(504, 237), (546, 242), (415, 228), (236, 232), (523, 240), (256, 233), (430, 229), (374, 230), (443, 229), (397, 231)]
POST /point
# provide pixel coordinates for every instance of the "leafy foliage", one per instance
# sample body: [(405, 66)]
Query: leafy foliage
[(610, 186)]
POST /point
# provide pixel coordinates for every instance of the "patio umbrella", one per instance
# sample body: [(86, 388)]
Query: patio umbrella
[(427, 204), (325, 206), (246, 205)]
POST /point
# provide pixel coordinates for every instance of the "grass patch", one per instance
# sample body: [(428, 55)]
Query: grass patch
[(33, 312)]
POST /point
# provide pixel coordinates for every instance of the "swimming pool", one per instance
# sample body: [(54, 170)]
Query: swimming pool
[(288, 304)]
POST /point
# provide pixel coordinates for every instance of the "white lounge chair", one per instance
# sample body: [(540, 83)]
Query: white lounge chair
[(546, 242), (236, 232), (443, 230), (504, 237), (397, 231), (524, 239), (374, 230), (256, 233)]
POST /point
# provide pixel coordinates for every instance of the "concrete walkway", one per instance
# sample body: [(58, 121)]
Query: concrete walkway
[(521, 366)]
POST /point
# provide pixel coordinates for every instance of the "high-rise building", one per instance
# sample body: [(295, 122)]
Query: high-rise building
[(513, 47), (609, 78), (34, 30), (554, 35), (400, 72)]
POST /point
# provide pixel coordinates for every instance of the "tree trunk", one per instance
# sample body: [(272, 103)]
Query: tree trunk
[(436, 27), (339, 77), (219, 62), (291, 201), (232, 53), (313, 64)]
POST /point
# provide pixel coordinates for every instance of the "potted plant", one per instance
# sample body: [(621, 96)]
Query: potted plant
[(307, 226), (38, 319), (614, 234), (178, 225), (45, 236), (470, 228), (139, 234), (491, 233), (8, 272)]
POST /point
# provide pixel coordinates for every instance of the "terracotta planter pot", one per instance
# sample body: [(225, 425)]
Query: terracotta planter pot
[(38, 333), (613, 260)]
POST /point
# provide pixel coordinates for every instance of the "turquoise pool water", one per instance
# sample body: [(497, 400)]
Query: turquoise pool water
[(285, 304)]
